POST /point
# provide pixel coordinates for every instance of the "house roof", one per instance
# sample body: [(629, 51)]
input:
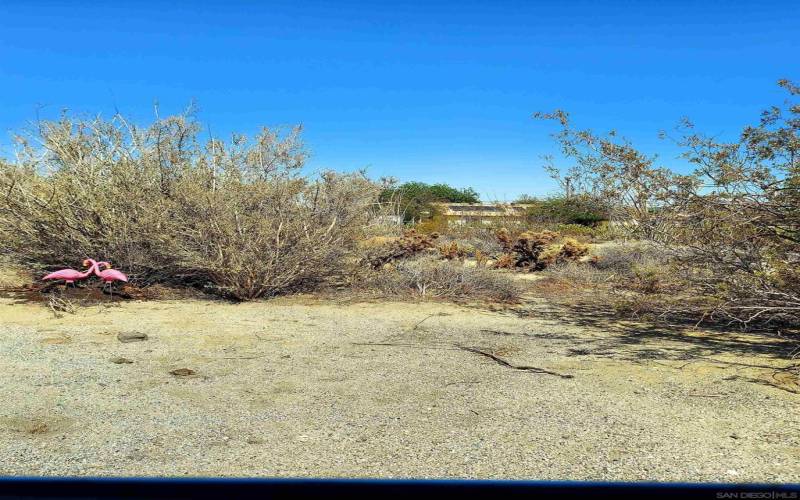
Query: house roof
[(482, 209)]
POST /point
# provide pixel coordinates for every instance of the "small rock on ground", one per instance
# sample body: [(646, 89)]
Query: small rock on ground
[(182, 372), (131, 337)]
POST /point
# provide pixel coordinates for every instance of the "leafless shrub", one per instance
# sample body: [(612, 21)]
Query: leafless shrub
[(488, 245), (429, 276), (580, 274), (623, 257), (59, 305)]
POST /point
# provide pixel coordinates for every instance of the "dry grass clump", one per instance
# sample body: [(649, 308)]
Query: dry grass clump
[(625, 257), (579, 275), (639, 266), (429, 276), (236, 218)]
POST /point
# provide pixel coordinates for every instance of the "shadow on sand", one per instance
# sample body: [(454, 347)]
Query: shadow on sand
[(641, 342)]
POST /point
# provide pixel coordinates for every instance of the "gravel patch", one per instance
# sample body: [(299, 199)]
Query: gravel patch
[(300, 388)]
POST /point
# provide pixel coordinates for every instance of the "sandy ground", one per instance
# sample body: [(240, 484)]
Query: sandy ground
[(313, 388)]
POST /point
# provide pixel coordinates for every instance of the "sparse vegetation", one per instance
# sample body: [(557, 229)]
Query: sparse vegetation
[(535, 250), (430, 276), (731, 227), (380, 251), (454, 251), (237, 218)]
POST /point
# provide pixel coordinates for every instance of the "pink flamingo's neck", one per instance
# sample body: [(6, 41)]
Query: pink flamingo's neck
[(97, 266), (92, 268)]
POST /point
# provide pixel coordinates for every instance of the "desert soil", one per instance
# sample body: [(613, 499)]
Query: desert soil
[(306, 387)]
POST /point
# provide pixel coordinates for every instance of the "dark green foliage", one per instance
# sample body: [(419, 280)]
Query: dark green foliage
[(580, 209), (415, 198)]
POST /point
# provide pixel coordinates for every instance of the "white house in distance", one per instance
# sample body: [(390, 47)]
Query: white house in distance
[(463, 213)]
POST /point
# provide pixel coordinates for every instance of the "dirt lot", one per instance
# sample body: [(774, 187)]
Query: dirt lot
[(303, 387)]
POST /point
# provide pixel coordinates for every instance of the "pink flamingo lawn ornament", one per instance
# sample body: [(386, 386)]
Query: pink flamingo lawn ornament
[(108, 275), (71, 275)]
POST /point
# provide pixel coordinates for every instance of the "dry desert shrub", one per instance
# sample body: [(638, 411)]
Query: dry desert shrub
[(624, 257), (471, 246), (429, 276), (271, 237), (638, 266), (505, 261), (236, 217), (481, 235), (572, 250), (732, 223), (579, 274), (641, 266), (379, 251), (481, 259), (454, 251), (13, 276), (525, 249)]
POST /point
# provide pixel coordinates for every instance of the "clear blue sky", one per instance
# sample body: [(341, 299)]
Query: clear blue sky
[(422, 90)]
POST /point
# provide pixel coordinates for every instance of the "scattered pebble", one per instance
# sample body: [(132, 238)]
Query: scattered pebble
[(131, 337), (337, 408), (182, 372)]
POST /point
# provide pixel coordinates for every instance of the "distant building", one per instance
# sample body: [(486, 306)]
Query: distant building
[(463, 213)]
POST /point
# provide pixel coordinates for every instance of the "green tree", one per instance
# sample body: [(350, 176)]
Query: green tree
[(415, 199), (583, 209)]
